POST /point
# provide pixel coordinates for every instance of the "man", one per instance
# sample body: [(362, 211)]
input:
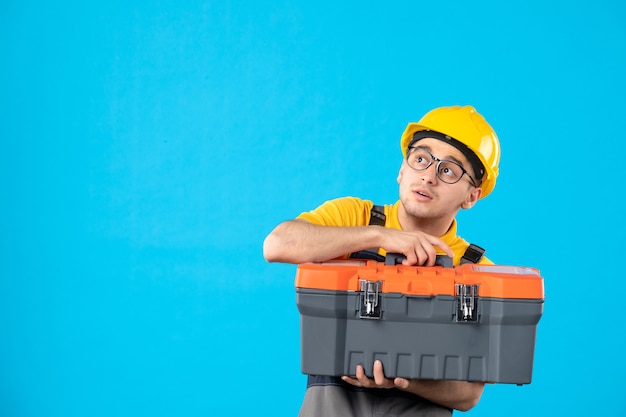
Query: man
[(450, 161)]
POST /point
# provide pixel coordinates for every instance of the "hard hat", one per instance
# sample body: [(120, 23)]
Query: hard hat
[(465, 125)]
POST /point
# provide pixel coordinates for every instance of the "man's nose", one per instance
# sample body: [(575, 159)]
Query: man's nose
[(429, 175)]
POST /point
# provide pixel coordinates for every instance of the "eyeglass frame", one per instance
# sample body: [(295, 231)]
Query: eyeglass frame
[(439, 161)]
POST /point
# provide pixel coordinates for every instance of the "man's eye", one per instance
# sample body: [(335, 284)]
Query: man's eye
[(422, 160), (447, 171), (451, 171)]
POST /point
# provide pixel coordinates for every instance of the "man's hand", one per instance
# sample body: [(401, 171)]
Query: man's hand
[(459, 395), (419, 248), (379, 380)]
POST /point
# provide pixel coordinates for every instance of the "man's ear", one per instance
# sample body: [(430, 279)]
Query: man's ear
[(403, 167), (473, 195)]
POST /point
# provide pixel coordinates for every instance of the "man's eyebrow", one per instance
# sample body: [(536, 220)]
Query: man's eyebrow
[(453, 159)]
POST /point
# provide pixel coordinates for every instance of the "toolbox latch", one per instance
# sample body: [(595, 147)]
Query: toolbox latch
[(466, 302), (370, 299)]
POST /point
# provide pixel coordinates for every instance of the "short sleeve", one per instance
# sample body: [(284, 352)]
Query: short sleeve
[(345, 211)]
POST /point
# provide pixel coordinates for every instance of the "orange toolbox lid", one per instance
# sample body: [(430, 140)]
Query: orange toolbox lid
[(495, 281)]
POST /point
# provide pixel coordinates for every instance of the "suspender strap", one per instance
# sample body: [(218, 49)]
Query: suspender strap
[(377, 218), (472, 254)]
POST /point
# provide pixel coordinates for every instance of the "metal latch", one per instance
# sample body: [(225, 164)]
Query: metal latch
[(370, 299), (466, 302)]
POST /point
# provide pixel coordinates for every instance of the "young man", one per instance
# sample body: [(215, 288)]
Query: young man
[(450, 161)]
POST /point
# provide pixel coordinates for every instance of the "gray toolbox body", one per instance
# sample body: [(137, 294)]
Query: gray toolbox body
[(439, 325)]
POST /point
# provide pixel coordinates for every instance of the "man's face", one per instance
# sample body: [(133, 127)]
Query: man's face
[(425, 196)]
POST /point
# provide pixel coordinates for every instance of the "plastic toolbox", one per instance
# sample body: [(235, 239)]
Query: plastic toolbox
[(470, 322)]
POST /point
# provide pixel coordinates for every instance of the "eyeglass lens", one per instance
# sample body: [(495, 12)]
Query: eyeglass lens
[(447, 171)]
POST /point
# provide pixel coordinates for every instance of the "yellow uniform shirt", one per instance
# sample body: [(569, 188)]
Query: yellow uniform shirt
[(351, 211)]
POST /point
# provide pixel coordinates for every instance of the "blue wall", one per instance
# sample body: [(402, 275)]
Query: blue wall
[(148, 148)]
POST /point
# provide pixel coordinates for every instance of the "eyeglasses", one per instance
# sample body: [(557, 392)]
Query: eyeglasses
[(449, 172)]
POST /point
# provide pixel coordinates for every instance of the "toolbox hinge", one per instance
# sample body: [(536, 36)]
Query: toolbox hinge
[(466, 302), (369, 304)]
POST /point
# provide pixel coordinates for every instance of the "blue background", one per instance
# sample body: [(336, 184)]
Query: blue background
[(149, 147)]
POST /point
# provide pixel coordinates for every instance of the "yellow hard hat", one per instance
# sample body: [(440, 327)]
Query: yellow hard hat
[(464, 125)]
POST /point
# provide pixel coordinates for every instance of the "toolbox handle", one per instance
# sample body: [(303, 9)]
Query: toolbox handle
[(393, 258)]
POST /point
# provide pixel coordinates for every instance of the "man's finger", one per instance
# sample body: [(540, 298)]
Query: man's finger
[(379, 375), (401, 383)]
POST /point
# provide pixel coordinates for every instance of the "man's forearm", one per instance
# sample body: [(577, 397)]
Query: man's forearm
[(460, 395), (298, 241)]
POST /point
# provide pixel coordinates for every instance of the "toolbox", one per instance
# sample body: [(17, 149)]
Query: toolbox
[(470, 322)]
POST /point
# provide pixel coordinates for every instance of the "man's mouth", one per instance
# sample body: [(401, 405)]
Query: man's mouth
[(422, 193)]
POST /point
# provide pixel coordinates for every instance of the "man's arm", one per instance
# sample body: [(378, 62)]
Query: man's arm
[(460, 395), (298, 241)]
